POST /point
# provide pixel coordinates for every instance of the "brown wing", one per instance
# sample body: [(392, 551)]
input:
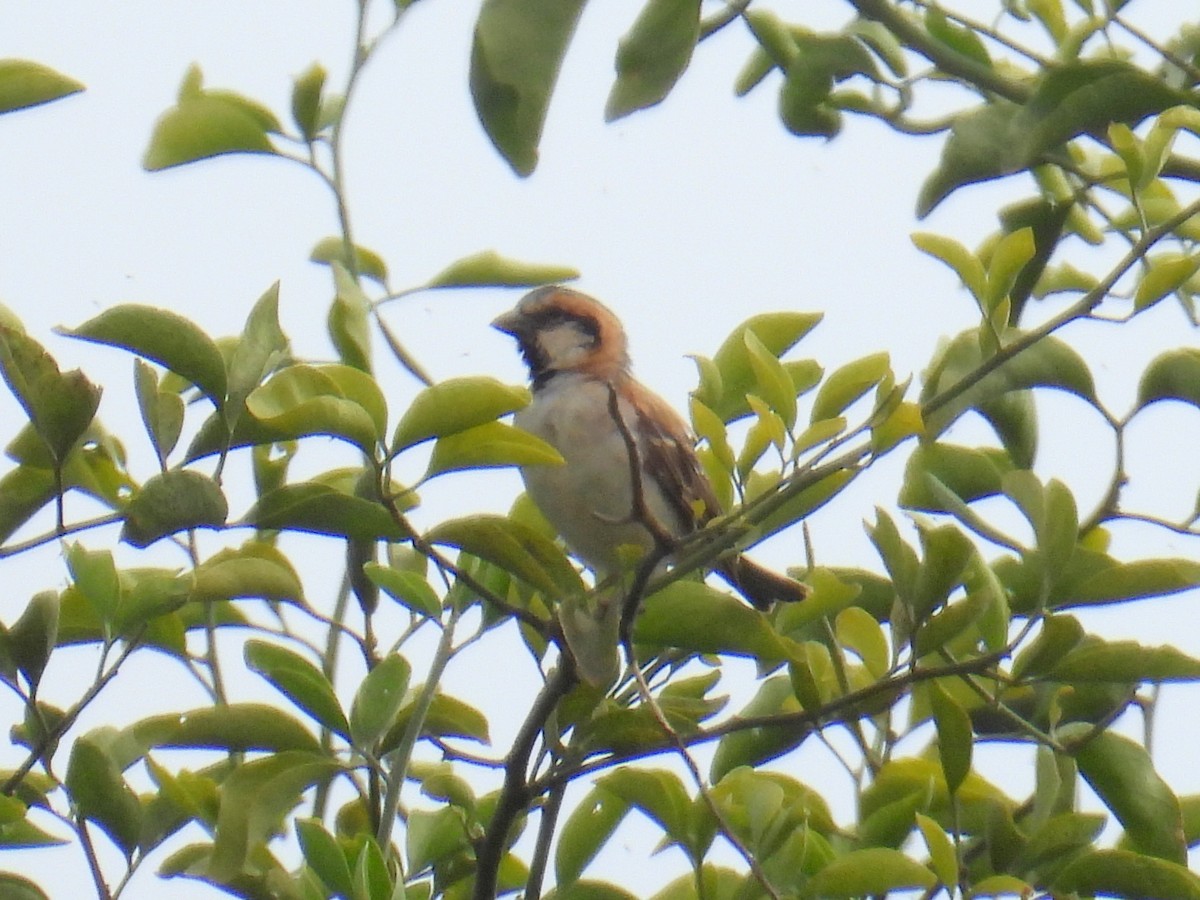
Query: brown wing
[(670, 459)]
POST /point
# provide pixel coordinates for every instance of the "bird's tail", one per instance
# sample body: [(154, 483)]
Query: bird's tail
[(758, 584)]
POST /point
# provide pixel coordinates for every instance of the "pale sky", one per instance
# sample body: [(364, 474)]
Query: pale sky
[(685, 220)]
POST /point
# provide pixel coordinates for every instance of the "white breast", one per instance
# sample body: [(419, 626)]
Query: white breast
[(589, 500)]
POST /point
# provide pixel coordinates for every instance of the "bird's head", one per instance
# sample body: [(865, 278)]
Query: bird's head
[(561, 330)]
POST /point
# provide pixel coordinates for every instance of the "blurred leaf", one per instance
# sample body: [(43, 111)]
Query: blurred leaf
[(325, 857), (873, 871), (488, 268), (1124, 661), (433, 836), (333, 400), (407, 588), (236, 727), (858, 630), (300, 681), (24, 83), (954, 736), (17, 887), (173, 501), (491, 445), (372, 880), (1070, 100), (772, 381), (653, 55), (962, 41), (585, 832), (255, 569), (778, 332), (694, 616), (965, 264), (261, 348), (515, 59), (455, 405), (1121, 873), (1164, 273), (447, 717), (845, 385), (320, 509), (306, 100), (1122, 774), (378, 700), (658, 794), (164, 337), (101, 795), (34, 635), (1174, 375), (60, 405), (366, 263), (969, 473), (943, 857), (514, 547), (95, 576), (23, 491), (349, 320), (162, 411), (204, 124), (254, 800), (753, 746)]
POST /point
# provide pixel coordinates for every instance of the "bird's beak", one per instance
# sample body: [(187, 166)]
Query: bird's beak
[(509, 322)]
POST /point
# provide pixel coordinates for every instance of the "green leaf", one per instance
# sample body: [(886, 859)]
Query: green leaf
[(334, 400), (778, 332), (24, 83), (858, 630), (449, 407), (60, 405), (514, 547), (1049, 363), (1068, 101), (753, 746), (371, 878), (321, 509), (969, 473), (95, 576), (162, 411), (300, 681), (942, 855), (349, 320), (324, 856), (101, 795), (164, 337), (658, 794), (1009, 258), (261, 348), (1163, 274), (254, 800), (1124, 662), (965, 264), (23, 491), (446, 717), (954, 736), (365, 262), (694, 616), (873, 871), (378, 700), (16, 887), (254, 570), (488, 268), (491, 445), (847, 384), (173, 501), (235, 728), (1174, 375), (771, 380), (515, 59), (1122, 774), (34, 635), (1120, 873), (409, 589), (653, 55), (962, 41), (204, 124), (306, 100), (586, 830), (433, 836)]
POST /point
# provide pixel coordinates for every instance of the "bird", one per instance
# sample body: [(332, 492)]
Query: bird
[(587, 404)]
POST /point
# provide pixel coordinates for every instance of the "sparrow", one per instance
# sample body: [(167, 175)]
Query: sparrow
[(581, 382)]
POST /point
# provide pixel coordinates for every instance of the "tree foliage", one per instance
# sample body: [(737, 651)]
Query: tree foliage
[(971, 630)]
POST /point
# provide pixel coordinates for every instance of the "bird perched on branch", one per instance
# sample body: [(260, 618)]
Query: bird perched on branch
[(631, 475)]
